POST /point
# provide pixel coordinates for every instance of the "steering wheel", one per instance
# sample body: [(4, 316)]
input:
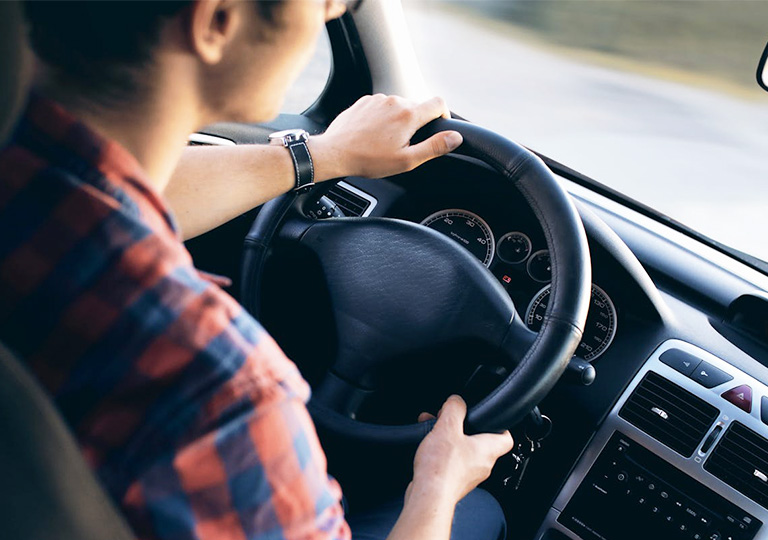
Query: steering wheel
[(396, 287)]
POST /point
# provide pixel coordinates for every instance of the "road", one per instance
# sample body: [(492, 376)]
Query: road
[(699, 156)]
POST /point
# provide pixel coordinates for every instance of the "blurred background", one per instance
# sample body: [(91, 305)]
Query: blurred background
[(654, 98)]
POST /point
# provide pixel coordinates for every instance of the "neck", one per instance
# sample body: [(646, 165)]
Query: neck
[(153, 129)]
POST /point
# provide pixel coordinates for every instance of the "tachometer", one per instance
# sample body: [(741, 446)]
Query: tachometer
[(467, 229), (601, 321)]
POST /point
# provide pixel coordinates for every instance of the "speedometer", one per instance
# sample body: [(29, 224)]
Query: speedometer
[(467, 229), (599, 329)]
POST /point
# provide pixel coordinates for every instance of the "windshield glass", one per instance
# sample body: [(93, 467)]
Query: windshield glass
[(654, 98)]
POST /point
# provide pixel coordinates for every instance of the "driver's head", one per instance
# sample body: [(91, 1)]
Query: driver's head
[(234, 58)]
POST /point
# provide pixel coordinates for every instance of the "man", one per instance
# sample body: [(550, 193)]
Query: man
[(189, 413)]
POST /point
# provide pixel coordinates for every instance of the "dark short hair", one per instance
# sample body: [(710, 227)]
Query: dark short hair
[(100, 46)]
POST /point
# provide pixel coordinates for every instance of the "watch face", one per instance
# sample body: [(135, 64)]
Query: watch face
[(289, 136)]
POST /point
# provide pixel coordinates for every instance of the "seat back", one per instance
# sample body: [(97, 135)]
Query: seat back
[(47, 491)]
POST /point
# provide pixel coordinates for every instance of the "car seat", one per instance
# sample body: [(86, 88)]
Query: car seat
[(47, 491)]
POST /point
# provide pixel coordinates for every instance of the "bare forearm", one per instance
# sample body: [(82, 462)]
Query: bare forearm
[(425, 516), (213, 184)]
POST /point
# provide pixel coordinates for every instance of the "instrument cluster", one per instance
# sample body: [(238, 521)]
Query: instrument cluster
[(525, 270)]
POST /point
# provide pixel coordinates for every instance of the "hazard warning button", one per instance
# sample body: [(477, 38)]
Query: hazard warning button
[(741, 396)]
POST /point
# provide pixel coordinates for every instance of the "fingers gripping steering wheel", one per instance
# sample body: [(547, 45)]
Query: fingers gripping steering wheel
[(396, 287)]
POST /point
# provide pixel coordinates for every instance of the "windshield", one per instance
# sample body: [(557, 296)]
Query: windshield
[(654, 98)]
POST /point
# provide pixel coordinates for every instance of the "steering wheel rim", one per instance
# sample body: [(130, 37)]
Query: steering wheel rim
[(548, 353)]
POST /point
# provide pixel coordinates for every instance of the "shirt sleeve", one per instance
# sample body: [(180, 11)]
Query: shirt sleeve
[(252, 467)]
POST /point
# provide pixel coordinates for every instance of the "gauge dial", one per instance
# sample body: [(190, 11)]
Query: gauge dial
[(467, 229), (599, 329), (540, 266), (513, 248)]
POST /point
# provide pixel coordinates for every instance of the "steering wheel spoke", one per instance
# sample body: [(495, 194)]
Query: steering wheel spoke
[(340, 395)]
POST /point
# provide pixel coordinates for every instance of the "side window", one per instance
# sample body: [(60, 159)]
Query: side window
[(312, 80)]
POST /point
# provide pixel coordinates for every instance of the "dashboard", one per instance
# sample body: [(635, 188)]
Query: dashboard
[(671, 440), (682, 451)]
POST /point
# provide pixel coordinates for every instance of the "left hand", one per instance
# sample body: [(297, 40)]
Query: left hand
[(372, 138)]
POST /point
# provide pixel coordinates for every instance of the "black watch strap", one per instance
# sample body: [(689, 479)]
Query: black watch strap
[(303, 166)]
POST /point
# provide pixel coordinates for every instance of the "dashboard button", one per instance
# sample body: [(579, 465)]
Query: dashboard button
[(709, 376), (764, 409), (680, 361), (741, 396)]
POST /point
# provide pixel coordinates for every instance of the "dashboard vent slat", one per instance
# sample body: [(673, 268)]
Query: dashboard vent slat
[(669, 413), (740, 460), (350, 203)]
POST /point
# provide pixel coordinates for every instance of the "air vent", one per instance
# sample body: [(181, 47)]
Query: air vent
[(741, 460), (669, 413), (351, 201)]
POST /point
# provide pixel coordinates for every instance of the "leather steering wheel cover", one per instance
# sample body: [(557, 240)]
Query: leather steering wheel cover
[(566, 313), (256, 245)]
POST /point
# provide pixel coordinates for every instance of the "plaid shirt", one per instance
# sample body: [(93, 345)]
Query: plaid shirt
[(187, 410)]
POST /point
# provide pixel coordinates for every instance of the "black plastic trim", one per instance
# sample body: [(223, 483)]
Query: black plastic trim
[(761, 67), (350, 76)]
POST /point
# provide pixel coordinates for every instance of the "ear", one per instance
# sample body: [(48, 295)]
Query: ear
[(213, 25)]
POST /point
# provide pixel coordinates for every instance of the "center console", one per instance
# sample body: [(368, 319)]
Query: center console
[(683, 454)]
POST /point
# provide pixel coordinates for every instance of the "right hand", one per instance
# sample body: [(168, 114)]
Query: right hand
[(450, 464), (373, 138)]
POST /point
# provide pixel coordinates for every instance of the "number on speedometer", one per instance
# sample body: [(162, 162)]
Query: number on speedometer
[(599, 329), (467, 229)]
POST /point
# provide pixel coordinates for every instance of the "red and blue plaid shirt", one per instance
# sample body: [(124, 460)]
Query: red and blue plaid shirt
[(190, 414)]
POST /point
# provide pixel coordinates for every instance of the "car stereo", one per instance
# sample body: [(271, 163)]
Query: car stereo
[(682, 454), (630, 494)]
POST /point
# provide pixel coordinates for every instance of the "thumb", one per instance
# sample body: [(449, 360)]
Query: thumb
[(437, 145), (497, 444)]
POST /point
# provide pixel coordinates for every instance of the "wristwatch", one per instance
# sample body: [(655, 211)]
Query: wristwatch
[(295, 140)]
